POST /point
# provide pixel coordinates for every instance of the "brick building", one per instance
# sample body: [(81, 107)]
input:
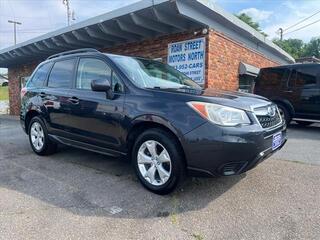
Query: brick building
[(197, 37)]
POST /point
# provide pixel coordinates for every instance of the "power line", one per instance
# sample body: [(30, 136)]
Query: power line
[(301, 21), (303, 27)]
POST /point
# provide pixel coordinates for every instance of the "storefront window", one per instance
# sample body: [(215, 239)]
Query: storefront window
[(246, 83)]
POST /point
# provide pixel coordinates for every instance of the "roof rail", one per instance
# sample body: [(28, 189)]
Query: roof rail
[(81, 50)]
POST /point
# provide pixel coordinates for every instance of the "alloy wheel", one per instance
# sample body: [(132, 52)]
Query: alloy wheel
[(37, 136), (154, 162)]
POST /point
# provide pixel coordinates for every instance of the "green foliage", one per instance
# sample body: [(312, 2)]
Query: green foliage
[(312, 48), (4, 95), (297, 48), (248, 20), (292, 46)]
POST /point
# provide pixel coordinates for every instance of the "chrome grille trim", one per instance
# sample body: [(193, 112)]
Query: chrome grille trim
[(267, 118)]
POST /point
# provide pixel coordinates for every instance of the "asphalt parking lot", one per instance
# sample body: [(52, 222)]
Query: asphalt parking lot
[(81, 195)]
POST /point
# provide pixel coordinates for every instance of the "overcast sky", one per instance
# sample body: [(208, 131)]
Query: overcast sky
[(42, 16)]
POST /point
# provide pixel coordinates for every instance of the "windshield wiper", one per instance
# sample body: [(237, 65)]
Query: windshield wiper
[(179, 89), (172, 88)]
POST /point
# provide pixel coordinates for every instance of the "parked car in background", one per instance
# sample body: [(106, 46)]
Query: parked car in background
[(295, 89), (146, 110), (3, 82)]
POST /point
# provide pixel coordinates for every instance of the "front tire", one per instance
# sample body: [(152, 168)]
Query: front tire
[(158, 161), (284, 114), (39, 139)]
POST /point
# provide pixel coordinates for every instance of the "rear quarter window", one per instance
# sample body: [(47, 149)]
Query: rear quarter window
[(40, 75)]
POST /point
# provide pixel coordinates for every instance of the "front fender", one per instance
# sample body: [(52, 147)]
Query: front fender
[(150, 118)]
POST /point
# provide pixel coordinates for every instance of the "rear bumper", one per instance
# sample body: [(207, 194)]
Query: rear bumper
[(223, 151)]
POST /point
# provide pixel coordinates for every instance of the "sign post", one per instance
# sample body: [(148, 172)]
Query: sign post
[(188, 57)]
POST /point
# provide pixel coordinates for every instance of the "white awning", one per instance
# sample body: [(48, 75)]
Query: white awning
[(247, 69)]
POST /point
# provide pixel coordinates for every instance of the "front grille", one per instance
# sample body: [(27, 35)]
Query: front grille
[(268, 118)]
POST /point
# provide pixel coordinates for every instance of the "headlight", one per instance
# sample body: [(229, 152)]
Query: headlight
[(221, 115)]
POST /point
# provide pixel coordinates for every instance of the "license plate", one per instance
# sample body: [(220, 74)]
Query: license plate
[(276, 140)]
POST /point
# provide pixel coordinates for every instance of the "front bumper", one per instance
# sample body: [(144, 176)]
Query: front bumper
[(222, 151)]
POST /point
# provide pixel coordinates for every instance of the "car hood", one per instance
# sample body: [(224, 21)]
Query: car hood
[(245, 101)]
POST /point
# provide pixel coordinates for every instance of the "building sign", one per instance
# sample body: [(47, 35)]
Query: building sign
[(189, 58)]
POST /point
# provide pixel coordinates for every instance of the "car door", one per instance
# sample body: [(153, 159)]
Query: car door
[(56, 96), (97, 120), (305, 89)]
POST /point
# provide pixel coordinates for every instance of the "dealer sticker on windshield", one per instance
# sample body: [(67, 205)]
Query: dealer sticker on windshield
[(277, 140)]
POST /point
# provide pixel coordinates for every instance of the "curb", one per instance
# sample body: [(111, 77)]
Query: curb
[(9, 117)]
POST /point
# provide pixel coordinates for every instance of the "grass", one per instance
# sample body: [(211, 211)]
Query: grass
[(197, 236), (4, 94)]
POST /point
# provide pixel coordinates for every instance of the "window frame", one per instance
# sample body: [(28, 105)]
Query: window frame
[(113, 70), (73, 72)]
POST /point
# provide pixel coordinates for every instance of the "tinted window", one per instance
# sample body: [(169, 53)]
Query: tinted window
[(39, 76), (303, 77), (272, 77), (61, 74), (91, 69)]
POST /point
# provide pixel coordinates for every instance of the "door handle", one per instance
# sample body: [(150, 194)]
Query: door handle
[(288, 91), (74, 100)]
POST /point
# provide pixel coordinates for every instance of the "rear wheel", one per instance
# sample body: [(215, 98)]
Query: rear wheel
[(304, 123), (39, 139), (284, 113), (158, 161)]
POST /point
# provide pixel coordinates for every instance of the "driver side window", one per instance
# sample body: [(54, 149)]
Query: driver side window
[(91, 69)]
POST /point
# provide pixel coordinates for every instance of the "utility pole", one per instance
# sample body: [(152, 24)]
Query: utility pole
[(281, 33), (14, 29), (67, 4)]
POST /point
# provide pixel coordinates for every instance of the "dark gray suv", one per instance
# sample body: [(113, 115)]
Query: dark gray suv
[(163, 121)]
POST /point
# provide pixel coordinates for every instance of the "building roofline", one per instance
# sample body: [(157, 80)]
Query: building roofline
[(142, 20), (240, 25), (86, 23)]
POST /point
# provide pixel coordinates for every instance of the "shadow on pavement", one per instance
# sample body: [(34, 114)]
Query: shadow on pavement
[(94, 185), (89, 184)]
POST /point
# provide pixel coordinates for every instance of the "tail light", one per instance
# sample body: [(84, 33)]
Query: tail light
[(23, 92)]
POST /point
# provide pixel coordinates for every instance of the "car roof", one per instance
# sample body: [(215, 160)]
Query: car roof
[(294, 66)]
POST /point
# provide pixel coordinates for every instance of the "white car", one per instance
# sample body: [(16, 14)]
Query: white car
[(3, 82)]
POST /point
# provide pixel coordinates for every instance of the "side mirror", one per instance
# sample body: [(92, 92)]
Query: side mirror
[(102, 85)]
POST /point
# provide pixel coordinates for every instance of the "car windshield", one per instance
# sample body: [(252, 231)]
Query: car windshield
[(145, 73)]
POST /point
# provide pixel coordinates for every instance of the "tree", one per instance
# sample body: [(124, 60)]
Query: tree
[(298, 49), (248, 20), (295, 47), (312, 48)]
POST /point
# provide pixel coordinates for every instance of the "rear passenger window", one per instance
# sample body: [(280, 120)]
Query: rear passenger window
[(272, 77), (61, 74), (39, 76), (304, 78), (91, 69)]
